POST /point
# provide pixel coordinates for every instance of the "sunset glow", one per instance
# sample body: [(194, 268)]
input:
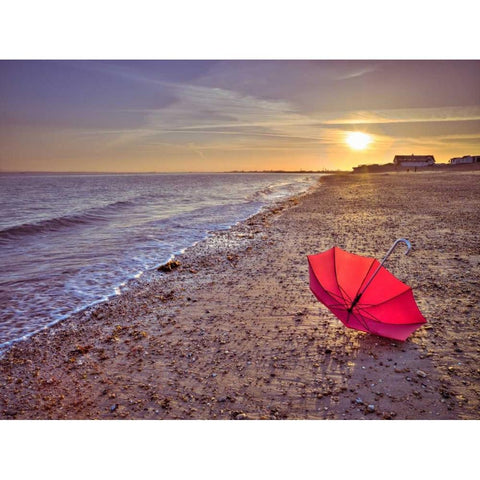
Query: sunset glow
[(358, 140), (206, 116)]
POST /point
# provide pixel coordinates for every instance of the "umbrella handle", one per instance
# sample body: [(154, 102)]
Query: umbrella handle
[(392, 248), (395, 243)]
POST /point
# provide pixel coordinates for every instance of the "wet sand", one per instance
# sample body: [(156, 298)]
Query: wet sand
[(233, 331)]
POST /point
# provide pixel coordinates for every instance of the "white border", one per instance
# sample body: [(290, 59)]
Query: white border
[(251, 29)]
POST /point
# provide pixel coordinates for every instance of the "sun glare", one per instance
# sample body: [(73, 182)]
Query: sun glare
[(358, 140)]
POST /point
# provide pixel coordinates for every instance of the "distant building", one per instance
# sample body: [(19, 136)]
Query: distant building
[(374, 168), (465, 159), (413, 160), (361, 169)]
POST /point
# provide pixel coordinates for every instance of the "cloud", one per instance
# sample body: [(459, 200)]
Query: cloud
[(357, 72), (207, 109), (207, 113), (409, 115)]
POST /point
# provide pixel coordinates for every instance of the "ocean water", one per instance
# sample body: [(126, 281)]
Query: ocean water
[(70, 241)]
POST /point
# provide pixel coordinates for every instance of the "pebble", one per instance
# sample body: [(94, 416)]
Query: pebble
[(421, 373), (389, 415), (371, 408), (169, 266)]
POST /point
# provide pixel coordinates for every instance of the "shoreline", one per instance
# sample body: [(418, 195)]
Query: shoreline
[(235, 333), (133, 280)]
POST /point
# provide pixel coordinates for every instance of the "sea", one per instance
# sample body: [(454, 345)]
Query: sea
[(69, 241)]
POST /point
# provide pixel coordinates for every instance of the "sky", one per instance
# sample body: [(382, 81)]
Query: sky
[(194, 115)]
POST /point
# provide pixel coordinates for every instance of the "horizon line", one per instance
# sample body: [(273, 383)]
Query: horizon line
[(84, 172)]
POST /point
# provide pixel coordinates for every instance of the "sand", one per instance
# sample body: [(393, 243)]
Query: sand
[(233, 331)]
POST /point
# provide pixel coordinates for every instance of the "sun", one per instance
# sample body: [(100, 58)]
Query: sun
[(358, 140)]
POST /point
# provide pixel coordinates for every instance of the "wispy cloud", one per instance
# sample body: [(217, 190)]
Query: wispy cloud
[(206, 112), (228, 109), (410, 115), (208, 118), (357, 73)]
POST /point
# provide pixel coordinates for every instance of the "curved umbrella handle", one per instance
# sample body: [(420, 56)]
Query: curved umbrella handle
[(400, 240)]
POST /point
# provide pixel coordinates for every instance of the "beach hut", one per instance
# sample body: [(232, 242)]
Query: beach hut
[(413, 160), (466, 159)]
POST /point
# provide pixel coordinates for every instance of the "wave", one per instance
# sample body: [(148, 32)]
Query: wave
[(90, 216), (277, 191), (261, 194)]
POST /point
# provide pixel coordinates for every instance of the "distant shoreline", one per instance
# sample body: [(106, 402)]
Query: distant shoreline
[(392, 168), (174, 173), (371, 168)]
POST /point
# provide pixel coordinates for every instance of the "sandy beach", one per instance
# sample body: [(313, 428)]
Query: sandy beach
[(233, 331)]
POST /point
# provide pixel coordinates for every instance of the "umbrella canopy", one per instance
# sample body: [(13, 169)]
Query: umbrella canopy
[(363, 294)]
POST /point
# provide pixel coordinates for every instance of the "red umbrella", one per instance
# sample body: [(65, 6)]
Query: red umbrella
[(363, 294)]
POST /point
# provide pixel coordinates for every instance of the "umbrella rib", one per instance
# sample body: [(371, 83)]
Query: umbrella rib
[(367, 314), (364, 278), (339, 298), (375, 319), (346, 296), (335, 272), (361, 319), (339, 304), (387, 300), (335, 296), (335, 305)]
